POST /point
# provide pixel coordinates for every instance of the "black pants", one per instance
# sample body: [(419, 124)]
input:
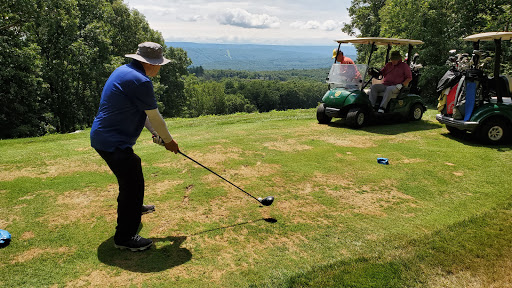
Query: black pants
[(126, 165)]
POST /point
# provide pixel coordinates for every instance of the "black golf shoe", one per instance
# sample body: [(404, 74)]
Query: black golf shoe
[(136, 243), (146, 209)]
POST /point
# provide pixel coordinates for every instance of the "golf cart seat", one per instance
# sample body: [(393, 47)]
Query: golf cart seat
[(505, 86)]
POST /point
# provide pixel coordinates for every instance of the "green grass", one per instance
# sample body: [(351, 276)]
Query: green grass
[(438, 216)]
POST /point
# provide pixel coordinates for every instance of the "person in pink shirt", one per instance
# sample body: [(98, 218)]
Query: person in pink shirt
[(340, 58), (397, 74)]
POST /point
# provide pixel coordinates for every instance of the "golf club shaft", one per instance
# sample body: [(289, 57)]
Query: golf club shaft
[(217, 175)]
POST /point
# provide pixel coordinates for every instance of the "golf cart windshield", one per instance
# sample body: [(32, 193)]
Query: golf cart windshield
[(348, 76)]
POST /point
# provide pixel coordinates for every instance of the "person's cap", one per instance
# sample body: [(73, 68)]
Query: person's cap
[(395, 55), (334, 53), (151, 53)]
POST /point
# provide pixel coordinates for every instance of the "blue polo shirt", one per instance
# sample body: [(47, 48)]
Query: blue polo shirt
[(120, 119)]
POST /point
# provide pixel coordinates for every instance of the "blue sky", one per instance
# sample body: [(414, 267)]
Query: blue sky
[(296, 22)]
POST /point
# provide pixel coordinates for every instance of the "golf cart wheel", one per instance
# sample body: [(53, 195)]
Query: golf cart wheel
[(356, 117), (494, 131), (416, 112), (321, 116)]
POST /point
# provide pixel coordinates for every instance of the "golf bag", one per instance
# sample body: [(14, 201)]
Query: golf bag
[(469, 95), (447, 88), (415, 70), (449, 79)]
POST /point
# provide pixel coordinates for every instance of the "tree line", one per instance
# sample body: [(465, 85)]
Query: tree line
[(56, 55), (232, 95)]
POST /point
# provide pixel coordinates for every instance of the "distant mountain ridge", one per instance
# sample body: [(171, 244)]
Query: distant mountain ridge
[(253, 57)]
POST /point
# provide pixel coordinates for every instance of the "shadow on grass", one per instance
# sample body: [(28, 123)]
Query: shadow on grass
[(153, 260), (471, 140), (268, 220), (479, 245), (390, 127)]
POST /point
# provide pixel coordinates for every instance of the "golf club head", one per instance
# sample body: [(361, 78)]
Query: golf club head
[(267, 201)]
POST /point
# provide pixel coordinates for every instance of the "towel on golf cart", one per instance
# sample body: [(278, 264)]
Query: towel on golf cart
[(449, 79)]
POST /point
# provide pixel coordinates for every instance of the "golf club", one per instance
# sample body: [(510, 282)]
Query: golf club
[(267, 201)]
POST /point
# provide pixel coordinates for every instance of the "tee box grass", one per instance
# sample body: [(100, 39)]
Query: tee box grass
[(439, 215)]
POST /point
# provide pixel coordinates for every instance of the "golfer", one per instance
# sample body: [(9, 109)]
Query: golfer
[(127, 105)]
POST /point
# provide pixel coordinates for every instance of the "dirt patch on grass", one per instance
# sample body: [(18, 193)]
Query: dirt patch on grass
[(372, 200), (27, 235), (103, 279), (410, 161), (162, 187), (7, 218), (307, 211), (350, 141), (51, 169), (367, 199), (83, 206), (175, 214), (243, 175), (217, 155), (36, 252), (289, 145)]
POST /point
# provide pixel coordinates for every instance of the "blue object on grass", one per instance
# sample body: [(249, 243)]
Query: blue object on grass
[(383, 161), (5, 238)]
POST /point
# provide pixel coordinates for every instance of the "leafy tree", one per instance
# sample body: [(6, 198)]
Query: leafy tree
[(173, 95), (20, 77), (365, 22), (238, 103)]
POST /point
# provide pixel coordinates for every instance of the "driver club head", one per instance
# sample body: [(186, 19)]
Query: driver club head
[(267, 201)]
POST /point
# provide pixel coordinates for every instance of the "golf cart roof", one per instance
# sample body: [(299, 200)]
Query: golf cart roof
[(489, 36), (380, 41)]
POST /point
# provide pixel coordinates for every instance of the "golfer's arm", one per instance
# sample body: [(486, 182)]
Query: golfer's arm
[(148, 126), (157, 123), (406, 82)]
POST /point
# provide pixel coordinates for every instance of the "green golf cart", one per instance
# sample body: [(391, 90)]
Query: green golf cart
[(347, 96), (481, 105)]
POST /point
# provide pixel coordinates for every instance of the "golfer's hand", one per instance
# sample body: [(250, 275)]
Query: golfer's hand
[(157, 139), (172, 146), (399, 86)]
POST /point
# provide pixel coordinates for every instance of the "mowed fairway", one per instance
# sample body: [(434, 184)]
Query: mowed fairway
[(438, 216)]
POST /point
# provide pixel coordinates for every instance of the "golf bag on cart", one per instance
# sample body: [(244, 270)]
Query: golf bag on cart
[(448, 86), (415, 70), (469, 92)]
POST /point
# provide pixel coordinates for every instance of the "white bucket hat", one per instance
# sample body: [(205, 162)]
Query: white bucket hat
[(151, 53)]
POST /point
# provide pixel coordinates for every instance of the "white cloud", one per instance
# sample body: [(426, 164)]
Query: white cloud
[(329, 25), (226, 21), (241, 18), (194, 18)]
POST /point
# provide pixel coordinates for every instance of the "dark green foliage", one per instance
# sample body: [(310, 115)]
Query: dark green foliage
[(204, 97), (56, 55)]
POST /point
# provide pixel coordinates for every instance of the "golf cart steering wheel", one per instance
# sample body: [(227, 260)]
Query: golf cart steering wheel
[(375, 73)]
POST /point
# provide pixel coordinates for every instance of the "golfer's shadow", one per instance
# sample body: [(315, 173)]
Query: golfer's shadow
[(157, 258)]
